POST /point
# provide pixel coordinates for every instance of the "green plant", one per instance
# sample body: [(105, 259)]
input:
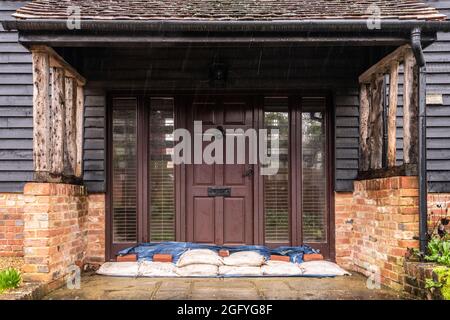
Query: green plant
[(442, 283), (439, 251), (10, 278)]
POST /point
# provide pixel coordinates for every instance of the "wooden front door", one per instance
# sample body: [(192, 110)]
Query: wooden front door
[(153, 199), (211, 217)]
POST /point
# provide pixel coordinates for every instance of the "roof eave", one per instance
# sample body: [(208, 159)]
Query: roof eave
[(338, 25)]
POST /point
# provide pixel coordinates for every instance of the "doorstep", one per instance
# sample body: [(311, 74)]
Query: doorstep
[(95, 287)]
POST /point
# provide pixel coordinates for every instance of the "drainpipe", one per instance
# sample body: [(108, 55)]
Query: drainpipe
[(422, 165)]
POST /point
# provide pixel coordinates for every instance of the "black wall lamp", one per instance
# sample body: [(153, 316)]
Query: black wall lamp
[(218, 74)]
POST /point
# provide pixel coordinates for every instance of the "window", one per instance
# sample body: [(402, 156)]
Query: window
[(161, 170), (314, 174), (124, 169), (276, 187)]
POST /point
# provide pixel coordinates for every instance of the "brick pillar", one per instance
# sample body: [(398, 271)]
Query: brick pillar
[(386, 220), (343, 228), (54, 230), (96, 229)]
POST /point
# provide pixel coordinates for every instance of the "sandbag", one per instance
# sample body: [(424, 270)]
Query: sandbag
[(157, 269), (199, 256), (244, 259), (120, 269), (312, 268), (240, 271), (281, 268), (198, 270)]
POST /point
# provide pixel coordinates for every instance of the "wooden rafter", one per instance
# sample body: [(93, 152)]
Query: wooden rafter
[(384, 65), (57, 61)]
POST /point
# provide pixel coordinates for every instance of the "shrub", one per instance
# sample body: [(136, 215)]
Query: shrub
[(442, 283), (10, 278), (439, 251)]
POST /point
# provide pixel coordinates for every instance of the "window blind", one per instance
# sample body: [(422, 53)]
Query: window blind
[(161, 169), (314, 175), (276, 187), (124, 166)]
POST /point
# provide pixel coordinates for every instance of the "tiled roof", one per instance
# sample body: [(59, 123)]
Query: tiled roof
[(228, 10)]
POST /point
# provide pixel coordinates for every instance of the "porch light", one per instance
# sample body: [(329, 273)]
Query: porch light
[(218, 74)]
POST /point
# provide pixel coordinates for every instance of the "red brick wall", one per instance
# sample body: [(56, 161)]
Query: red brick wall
[(55, 230), (375, 226), (376, 223), (95, 254), (11, 224), (343, 228)]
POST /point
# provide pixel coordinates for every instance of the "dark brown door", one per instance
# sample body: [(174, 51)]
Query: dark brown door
[(223, 220)]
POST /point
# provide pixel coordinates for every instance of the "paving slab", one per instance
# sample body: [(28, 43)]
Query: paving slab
[(123, 288)]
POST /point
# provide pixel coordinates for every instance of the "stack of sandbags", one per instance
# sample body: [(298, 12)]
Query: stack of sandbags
[(322, 268), (281, 268), (199, 263), (157, 269), (119, 269), (244, 263)]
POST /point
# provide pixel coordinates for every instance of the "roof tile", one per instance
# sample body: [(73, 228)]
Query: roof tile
[(231, 10)]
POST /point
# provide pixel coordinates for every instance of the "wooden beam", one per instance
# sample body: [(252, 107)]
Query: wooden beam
[(384, 64), (58, 116), (392, 116), (364, 127), (376, 122), (71, 143), (79, 131), (41, 112), (57, 61), (410, 110)]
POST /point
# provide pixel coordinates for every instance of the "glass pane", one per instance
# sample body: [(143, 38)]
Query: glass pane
[(314, 176), (276, 187), (161, 170), (124, 171)]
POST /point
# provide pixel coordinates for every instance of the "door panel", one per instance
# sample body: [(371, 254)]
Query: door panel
[(234, 222), (225, 220), (203, 220)]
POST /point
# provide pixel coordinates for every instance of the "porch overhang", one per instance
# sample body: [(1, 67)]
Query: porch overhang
[(55, 32), (313, 25)]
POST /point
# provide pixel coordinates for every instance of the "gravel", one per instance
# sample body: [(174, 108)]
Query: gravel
[(6, 262)]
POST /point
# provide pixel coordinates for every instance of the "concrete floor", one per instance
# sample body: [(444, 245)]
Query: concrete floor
[(94, 287)]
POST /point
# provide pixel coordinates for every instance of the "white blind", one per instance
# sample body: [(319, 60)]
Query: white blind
[(276, 187), (314, 175), (162, 202), (124, 168)]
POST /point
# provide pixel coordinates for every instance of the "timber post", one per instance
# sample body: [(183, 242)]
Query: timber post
[(57, 118), (371, 119)]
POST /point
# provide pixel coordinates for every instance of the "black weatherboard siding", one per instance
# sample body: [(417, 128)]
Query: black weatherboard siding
[(16, 122), (438, 122), (16, 118)]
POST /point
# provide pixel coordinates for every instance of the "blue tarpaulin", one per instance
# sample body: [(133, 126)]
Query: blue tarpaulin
[(145, 251)]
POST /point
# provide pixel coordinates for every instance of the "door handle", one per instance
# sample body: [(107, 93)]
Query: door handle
[(248, 173)]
